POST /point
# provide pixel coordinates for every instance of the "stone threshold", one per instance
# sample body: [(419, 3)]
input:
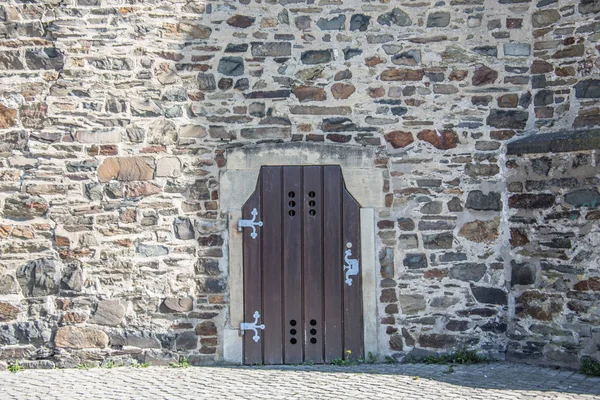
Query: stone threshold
[(556, 142)]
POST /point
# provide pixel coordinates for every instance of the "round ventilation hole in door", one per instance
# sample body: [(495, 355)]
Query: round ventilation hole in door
[(291, 195), (313, 331), (291, 213), (313, 322), (313, 340), (293, 322), (293, 341), (311, 194), (292, 331), (312, 212)]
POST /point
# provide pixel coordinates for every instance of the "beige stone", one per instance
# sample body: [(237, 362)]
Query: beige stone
[(108, 312), (75, 337), (8, 117), (168, 167), (481, 231), (126, 169)]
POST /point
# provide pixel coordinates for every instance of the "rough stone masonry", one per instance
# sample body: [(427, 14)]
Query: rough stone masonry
[(116, 118)]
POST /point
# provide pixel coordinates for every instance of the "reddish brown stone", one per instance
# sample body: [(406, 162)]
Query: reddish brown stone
[(593, 215), (8, 312), (399, 139), (538, 305), (138, 189), (376, 92), (565, 71), (514, 23), (206, 328), (592, 284), (310, 93), (220, 159), (339, 138), (502, 135), (103, 150), (342, 90), (484, 76), (402, 74), (62, 241), (153, 149), (541, 67), (8, 117), (312, 137), (435, 273), (240, 21), (518, 238), (458, 75), (373, 61), (531, 201), (74, 254), (508, 100), (444, 140), (73, 317)]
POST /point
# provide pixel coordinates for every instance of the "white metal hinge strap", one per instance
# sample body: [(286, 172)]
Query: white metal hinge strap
[(351, 266), (250, 223), (253, 326)]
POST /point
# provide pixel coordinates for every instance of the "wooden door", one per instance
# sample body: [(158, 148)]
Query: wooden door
[(302, 267)]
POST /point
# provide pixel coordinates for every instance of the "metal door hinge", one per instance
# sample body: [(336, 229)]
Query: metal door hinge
[(351, 266), (250, 223), (253, 326)]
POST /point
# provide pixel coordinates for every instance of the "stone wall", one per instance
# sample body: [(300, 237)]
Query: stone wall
[(116, 118), (555, 262)]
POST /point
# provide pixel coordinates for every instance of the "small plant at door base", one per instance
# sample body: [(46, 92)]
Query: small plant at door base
[(590, 367), (111, 364), (141, 365), (183, 363), (390, 360), (371, 359), (16, 367), (85, 366)]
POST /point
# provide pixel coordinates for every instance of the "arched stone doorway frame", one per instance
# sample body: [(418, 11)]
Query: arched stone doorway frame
[(363, 180)]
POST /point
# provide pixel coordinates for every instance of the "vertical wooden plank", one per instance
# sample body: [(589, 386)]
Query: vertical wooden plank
[(272, 265), (312, 251), (333, 262), (292, 265), (252, 277), (353, 328)]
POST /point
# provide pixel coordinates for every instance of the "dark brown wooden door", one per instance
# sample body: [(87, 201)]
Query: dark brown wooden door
[(302, 267)]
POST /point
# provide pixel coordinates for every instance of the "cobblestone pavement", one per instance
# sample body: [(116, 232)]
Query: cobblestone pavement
[(409, 381)]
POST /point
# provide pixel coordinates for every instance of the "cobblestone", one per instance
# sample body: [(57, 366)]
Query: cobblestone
[(407, 381)]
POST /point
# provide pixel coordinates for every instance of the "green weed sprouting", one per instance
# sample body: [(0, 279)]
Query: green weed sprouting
[(16, 367), (459, 357), (590, 367), (183, 363)]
